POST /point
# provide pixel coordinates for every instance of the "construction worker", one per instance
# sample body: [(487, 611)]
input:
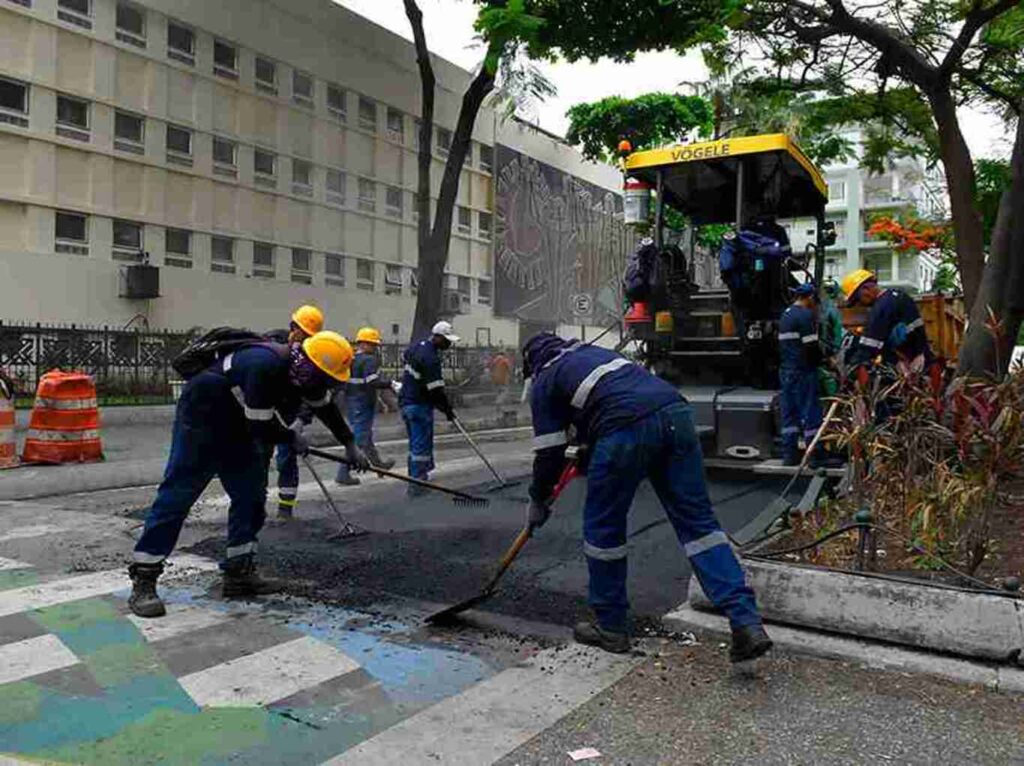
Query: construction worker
[(422, 393), (830, 330), (227, 418), (799, 358), (361, 399), (306, 321), (635, 426)]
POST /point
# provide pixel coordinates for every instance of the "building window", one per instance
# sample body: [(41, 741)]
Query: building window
[(484, 290), (264, 165), (367, 114), (465, 220), (75, 12), (266, 75), (415, 206), (335, 186), (13, 102), (178, 244), (225, 60), (72, 233), (131, 25), (392, 279), (72, 118), (837, 191), (225, 157), (129, 132), (463, 286), (302, 177), (881, 264), (336, 102), (181, 43), (417, 126), (334, 269), (302, 88), (487, 158), (364, 274), (414, 281), (179, 145), (222, 255), (393, 201), (302, 266), (127, 241), (444, 141), (396, 125), (263, 260), (484, 225), (367, 195)]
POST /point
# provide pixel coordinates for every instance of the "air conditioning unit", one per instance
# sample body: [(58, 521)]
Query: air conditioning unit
[(455, 302), (140, 281)]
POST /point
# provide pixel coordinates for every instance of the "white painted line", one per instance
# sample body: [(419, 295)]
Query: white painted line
[(496, 716), (6, 760), (55, 592), (35, 530), (24, 659), (180, 619), (12, 564), (269, 675)]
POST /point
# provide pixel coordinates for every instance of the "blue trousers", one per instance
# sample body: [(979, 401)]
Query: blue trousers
[(663, 448), (419, 424), (360, 414), (207, 443), (287, 475), (800, 406)]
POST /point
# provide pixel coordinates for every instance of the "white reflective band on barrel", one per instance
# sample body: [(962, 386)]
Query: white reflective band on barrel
[(605, 554), (227, 361), (240, 550), (147, 558), (789, 336), (6, 434), (250, 413), (579, 398), (871, 342), (65, 404), (915, 324), (435, 384), (411, 371), (41, 435), (706, 543), (809, 339), (544, 441)]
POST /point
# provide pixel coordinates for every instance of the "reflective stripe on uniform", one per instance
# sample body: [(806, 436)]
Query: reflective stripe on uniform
[(709, 541), (356, 381), (579, 398), (287, 502), (227, 361), (46, 435), (809, 339), (287, 491), (435, 384), (65, 404), (605, 554), (373, 377), (791, 430), (323, 401), (789, 336), (240, 550), (911, 326), (140, 557), (871, 342), (411, 371), (421, 458), (556, 439), (250, 412)]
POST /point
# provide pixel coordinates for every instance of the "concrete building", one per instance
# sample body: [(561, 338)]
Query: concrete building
[(262, 153)]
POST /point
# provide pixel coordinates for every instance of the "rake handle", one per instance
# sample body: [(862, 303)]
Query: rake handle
[(345, 525), (479, 453)]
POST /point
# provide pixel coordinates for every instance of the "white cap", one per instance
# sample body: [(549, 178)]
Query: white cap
[(445, 329)]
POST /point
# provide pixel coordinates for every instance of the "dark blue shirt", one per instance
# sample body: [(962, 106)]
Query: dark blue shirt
[(422, 378), (894, 329), (799, 349), (366, 379)]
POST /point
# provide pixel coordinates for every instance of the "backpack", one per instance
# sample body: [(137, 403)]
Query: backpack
[(212, 345), (636, 282)]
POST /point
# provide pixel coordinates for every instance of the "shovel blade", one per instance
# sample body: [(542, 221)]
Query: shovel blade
[(449, 615)]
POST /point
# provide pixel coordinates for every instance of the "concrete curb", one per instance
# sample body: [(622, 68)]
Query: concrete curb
[(870, 654), (925, 616)]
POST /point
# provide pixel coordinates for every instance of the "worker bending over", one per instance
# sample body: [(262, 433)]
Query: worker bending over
[(306, 321), (227, 419), (423, 392), (636, 426), (361, 399), (800, 355)]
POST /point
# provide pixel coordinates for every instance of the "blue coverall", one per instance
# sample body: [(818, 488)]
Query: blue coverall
[(637, 427), (361, 405), (800, 356), (285, 459), (422, 391), (228, 418), (895, 330)]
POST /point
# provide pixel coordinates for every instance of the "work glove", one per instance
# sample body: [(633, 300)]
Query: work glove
[(450, 414), (537, 514), (299, 441), (356, 457), (396, 387)]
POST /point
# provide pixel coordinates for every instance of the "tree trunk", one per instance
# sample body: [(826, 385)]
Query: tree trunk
[(959, 168), (1002, 287)]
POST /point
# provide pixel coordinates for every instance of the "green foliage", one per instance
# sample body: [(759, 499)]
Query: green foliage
[(647, 121), (992, 178), (506, 25), (946, 279)]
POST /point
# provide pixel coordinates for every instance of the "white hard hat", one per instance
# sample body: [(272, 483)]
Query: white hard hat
[(445, 330)]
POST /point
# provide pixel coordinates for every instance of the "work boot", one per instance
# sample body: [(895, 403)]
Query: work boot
[(386, 463), (241, 579), (285, 512), (791, 457), (748, 643), (413, 491), (348, 480), (592, 634), (144, 602)]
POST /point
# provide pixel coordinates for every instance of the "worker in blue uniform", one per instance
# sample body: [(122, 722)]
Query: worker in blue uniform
[(800, 355), (361, 399), (306, 321), (635, 426), (422, 392), (227, 419)]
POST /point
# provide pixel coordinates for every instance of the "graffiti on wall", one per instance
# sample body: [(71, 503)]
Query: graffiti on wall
[(560, 245)]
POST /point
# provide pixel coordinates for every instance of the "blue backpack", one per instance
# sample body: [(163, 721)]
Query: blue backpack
[(747, 250)]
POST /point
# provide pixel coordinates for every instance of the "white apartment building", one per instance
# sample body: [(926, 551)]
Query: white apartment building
[(261, 153)]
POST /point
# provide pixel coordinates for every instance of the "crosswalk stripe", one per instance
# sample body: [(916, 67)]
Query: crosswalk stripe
[(496, 716), (269, 675), (24, 659), (180, 619), (12, 564), (34, 530), (84, 586)]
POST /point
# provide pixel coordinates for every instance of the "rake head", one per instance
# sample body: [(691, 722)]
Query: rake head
[(471, 502)]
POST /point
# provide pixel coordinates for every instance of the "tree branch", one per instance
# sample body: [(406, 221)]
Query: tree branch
[(975, 20), (428, 83), (975, 78)]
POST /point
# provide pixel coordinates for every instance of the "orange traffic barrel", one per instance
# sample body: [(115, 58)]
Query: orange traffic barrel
[(639, 313), (65, 423), (8, 446)]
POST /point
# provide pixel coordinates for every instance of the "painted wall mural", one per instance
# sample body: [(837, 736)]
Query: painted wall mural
[(560, 245)]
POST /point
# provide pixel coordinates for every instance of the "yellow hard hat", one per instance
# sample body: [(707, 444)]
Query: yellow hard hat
[(851, 282), (309, 318), (368, 335), (331, 353)]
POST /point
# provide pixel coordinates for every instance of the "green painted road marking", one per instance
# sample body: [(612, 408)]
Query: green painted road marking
[(19, 702), (17, 578)]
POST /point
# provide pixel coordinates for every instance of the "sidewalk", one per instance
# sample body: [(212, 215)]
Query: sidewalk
[(136, 442)]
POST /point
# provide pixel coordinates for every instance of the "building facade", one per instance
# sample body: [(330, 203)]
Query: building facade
[(259, 153)]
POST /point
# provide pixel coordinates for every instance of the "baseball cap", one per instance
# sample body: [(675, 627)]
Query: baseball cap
[(445, 330)]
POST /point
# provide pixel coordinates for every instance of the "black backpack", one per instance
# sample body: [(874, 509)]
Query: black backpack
[(212, 345), (640, 267)]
